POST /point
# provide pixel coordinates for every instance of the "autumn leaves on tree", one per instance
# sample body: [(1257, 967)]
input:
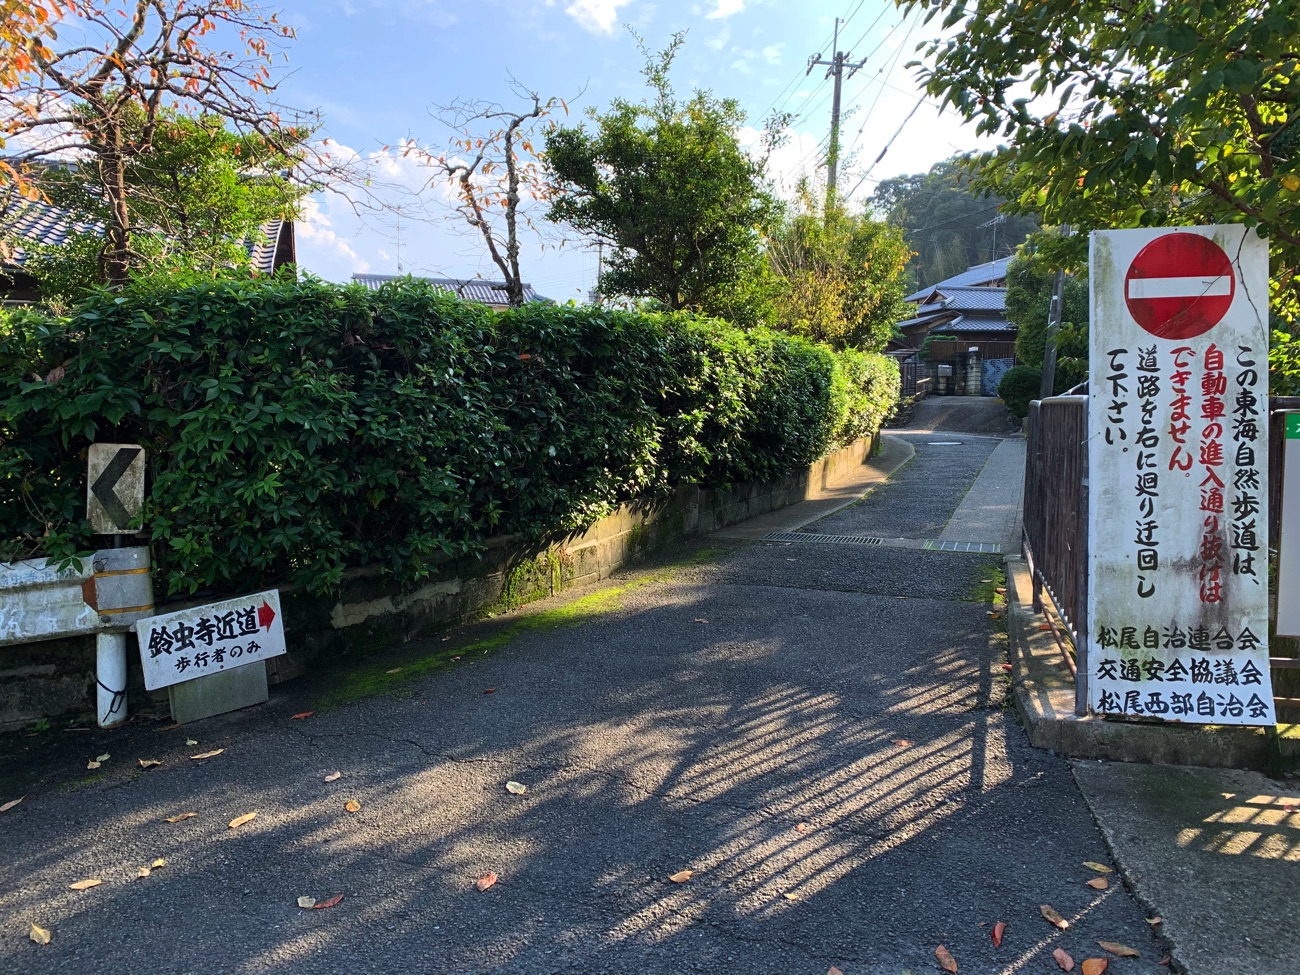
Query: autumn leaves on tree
[(100, 99)]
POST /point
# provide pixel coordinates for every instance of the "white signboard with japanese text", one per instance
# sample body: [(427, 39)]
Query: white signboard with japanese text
[(209, 639), (1178, 476)]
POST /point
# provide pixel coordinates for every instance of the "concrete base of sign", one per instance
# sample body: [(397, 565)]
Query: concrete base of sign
[(229, 690), (1044, 696)]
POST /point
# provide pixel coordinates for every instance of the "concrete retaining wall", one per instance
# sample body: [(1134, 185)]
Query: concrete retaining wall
[(372, 610)]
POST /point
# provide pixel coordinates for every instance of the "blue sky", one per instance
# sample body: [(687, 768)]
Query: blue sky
[(377, 68)]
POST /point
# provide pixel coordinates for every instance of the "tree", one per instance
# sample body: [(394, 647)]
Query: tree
[(194, 197), (102, 98), (841, 277), (1134, 113), (491, 172), (949, 223), (668, 188), (1030, 281)]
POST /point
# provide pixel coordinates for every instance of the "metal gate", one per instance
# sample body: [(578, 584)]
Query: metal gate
[(994, 370)]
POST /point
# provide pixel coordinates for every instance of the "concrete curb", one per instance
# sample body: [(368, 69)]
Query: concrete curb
[(1044, 690)]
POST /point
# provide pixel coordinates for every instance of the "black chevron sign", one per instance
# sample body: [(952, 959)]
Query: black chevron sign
[(119, 502)]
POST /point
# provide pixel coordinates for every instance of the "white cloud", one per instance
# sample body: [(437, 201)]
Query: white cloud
[(720, 41), (773, 53), (598, 16), (725, 8)]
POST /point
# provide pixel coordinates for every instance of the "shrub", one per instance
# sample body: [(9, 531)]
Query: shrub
[(1020, 385), (295, 429)]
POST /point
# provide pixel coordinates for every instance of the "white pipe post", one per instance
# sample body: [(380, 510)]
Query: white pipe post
[(110, 676)]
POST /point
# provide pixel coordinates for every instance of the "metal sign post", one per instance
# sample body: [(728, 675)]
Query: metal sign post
[(1178, 476)]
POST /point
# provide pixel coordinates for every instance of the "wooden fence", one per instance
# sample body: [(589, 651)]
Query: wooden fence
[(1056, 526)]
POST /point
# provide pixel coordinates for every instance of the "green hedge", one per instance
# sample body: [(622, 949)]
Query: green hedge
[(1018, 387), (296, 429)]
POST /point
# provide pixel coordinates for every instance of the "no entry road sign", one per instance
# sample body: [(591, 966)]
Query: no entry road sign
[(1180, 286)]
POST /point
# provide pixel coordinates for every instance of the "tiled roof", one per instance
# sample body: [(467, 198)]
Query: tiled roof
[(979, 275), (39, 222), (262, 253), (975, 299), (975, 323), (471, 289)]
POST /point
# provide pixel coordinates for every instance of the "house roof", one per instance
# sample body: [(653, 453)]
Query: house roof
[(471, 289), (974, 299), (977, 323), (978, 276), (38, 222)]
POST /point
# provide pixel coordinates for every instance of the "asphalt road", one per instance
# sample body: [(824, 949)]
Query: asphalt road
[(818, 732)]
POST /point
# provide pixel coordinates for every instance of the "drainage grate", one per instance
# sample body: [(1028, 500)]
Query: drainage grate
[(829, 539), (982, 547)]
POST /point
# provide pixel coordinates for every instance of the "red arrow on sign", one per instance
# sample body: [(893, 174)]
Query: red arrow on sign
[(1179, 286), (265, 615)]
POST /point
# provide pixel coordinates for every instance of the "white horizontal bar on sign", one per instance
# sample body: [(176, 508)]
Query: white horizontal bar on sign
[(1192, 286)]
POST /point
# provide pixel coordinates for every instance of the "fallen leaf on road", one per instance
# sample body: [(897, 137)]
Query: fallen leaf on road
[(10, 804), (212, 754), (1099, 867), (85, 884), (39, 934), (490, 690), (303, 714), (485, 881), (946, 961), (1098, 883), (998, 930), (180, 817), (333, 776), (142, 873), (701, 621), (682, 876), (1153, 921), (1044, 626), (352, 806), (454, 659), (1000, 590), (1063, 960), (1006, 667), (1164, 961), (516, 788), (93, 765), (1122, 951), (239, 821), (1095, 966), (328, 903), (103, 758), (306, 903), (190, 741), (801, 827), (158, 864), (994, 615), (395, 670), (1054, 916), (149, 763), (790, 896), (833, 971), (902, 743)]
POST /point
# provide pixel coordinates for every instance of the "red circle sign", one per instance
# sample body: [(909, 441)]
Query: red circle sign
[(1179, 286)]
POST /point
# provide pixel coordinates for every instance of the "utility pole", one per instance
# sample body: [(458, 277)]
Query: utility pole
[(1048, 385), (835, 66)]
